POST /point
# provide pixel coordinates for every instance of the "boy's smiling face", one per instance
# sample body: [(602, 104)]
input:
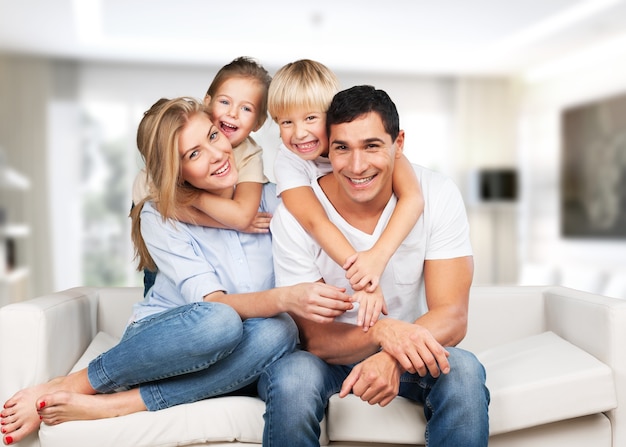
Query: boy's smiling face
[(303, 132), (235, 108)]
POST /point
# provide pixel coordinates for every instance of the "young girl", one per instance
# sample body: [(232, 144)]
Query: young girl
[(299, 96), (212, 321), (237, 104)]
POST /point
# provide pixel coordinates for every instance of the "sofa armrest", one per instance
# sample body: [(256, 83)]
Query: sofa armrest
[(596, 324), (42, 338)]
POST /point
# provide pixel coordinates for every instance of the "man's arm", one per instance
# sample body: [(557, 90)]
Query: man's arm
[(418, 346), (447, 283)]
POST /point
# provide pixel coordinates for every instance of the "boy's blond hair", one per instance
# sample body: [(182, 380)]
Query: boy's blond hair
[(303, 84)]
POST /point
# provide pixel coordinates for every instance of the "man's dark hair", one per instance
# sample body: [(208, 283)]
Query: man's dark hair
[(347, 105)]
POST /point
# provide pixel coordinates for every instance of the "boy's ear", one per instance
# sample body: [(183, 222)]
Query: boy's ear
[(207, 100)]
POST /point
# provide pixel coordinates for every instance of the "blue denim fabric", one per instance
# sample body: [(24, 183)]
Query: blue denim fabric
[(192, 352), (297, 387)]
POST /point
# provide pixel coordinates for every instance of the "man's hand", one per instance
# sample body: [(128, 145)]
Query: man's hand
[(375, 380), (318, 302), (413, 346)]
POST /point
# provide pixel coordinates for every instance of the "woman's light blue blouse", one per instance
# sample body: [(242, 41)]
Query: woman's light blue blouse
[(194, 261)]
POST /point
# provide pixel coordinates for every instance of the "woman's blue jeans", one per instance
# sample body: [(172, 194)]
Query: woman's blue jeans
[(297, 387), (192, 352)]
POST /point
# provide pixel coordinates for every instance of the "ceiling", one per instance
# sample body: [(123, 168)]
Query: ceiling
[(488, 37)]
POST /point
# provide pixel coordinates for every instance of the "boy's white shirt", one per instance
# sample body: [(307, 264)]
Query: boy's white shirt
[(292, 171)]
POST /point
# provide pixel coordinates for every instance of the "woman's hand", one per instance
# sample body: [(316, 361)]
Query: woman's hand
[(318, 302)]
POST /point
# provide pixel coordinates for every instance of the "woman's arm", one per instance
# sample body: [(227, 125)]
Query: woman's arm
[(318, 302)]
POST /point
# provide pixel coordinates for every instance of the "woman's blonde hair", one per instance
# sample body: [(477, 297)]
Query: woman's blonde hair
[(303, 84), (157, 141)]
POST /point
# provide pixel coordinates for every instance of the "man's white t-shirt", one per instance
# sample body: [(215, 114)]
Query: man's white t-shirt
[(292, 171), (442, 232)]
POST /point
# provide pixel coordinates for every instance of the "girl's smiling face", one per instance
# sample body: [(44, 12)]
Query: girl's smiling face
[(235, 108), (206, 155)]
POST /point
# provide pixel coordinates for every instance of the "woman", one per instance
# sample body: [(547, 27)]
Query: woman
[(212, 321)]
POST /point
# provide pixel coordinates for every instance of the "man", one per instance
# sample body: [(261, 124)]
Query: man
[(426, 286)]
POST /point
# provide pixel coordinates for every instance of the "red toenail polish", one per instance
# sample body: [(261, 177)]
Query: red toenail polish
[(3, 431), (8, 440), (42, 404)]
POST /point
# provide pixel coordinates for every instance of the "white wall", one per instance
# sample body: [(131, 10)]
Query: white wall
[(539, 149)]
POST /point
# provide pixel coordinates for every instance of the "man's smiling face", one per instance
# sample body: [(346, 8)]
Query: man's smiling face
[(363, 156)]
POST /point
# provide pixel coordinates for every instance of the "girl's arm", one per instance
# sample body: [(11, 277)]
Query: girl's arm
[(365, 268), (238, 213)]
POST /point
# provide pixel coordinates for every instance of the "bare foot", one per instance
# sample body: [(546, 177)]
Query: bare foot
[(66, 406), (19, 416)]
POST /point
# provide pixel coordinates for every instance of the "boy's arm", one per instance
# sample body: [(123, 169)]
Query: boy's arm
[(238, 213), (308, 211), (367, 267)]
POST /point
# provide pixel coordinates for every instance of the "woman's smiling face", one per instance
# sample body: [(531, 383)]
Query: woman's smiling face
[(206, 155)]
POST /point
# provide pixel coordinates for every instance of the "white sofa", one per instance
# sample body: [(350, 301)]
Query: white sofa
[(555, 360)]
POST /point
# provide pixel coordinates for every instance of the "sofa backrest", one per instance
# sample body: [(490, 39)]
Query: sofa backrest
[(500, 314), (115, 306)]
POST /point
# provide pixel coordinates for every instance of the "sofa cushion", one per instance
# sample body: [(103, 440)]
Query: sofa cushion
[(542, 379), (532, 381), (351, 419), (222, 419)]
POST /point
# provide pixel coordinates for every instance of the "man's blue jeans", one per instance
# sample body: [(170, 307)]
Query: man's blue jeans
[(297, 387), (192, 352)]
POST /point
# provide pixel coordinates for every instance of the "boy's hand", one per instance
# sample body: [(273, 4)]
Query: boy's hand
[(370, 307), (363, 270)]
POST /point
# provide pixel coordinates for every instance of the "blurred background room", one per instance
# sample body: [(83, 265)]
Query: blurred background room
[(521, 102)]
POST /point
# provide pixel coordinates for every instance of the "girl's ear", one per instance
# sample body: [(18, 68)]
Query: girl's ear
[(207, 100), (260, 123)]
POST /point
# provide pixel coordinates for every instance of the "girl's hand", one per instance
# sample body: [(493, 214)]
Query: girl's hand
[(260, 223)]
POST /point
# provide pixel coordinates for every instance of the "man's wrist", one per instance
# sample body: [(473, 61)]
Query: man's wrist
[(378, 330)]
